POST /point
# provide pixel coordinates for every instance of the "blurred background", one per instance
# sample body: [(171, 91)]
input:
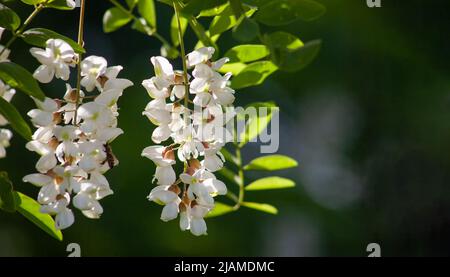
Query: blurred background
[(369, 121)]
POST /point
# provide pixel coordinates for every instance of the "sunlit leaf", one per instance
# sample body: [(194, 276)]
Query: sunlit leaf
[(226, 20), (32, 2), (219, 209), (273, 182), (8, 18), (234, 68), (18, 77), (247, 53), (39, 36), (282, 40), (194, 7), (214, 10), (114, 18), (147, 10), (205, 37), (271, 163), (30, 209), (267, 208), (15, 119), (282, 12), (7, 198), (131, 3), (254, 74), (58, 4), (174, 28)]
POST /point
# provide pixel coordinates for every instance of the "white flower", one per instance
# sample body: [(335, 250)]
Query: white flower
[(69, 108), (47, 151), (55, 59), (164, 158), (92, 68), (71, 3), (87, 199), (195, 134), (58, 206), (200, 55), (6, 93), (203, 186), (95, 116), (45, 115), (192, 219), (214, 159), (5, 137), (166, 195), (163, 72)]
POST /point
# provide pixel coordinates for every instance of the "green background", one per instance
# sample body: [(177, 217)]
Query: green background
[(369, 122)]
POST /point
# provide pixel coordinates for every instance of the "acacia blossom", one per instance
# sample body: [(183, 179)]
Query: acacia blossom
[(6, 92), (197, 136), (75, 146)]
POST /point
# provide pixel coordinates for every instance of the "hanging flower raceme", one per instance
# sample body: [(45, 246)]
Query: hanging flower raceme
[(74, 134), (6, 92), (196, 132)]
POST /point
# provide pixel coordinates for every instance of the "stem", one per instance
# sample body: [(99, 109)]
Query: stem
[(129, 13), (17, 33), (183, 56), (81, 44), (241, 179)]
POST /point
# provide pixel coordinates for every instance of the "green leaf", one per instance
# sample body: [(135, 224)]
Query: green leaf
[(30, 209), (205, 37), (294, 60), (213, 11), (234, 68), (257, 121), (131, 3), (194, 7), (273, 182), (246, 29), (18, 77), (271, 163), (59, 5), (226, 20), (254, 74), (7, 198), (174, 28), (15, 119), (282, 12), (32, 2), (282, 40), (8, 18), (169, 51), (39, 36), (114, 18), (219, 209), (247, 53), (267, 208), (147, 10)]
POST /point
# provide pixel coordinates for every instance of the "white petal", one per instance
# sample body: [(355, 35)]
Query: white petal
[(169, 212)]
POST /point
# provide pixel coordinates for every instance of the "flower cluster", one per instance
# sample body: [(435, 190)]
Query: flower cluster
[(73, 136), (196, 131), (6, 92)]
